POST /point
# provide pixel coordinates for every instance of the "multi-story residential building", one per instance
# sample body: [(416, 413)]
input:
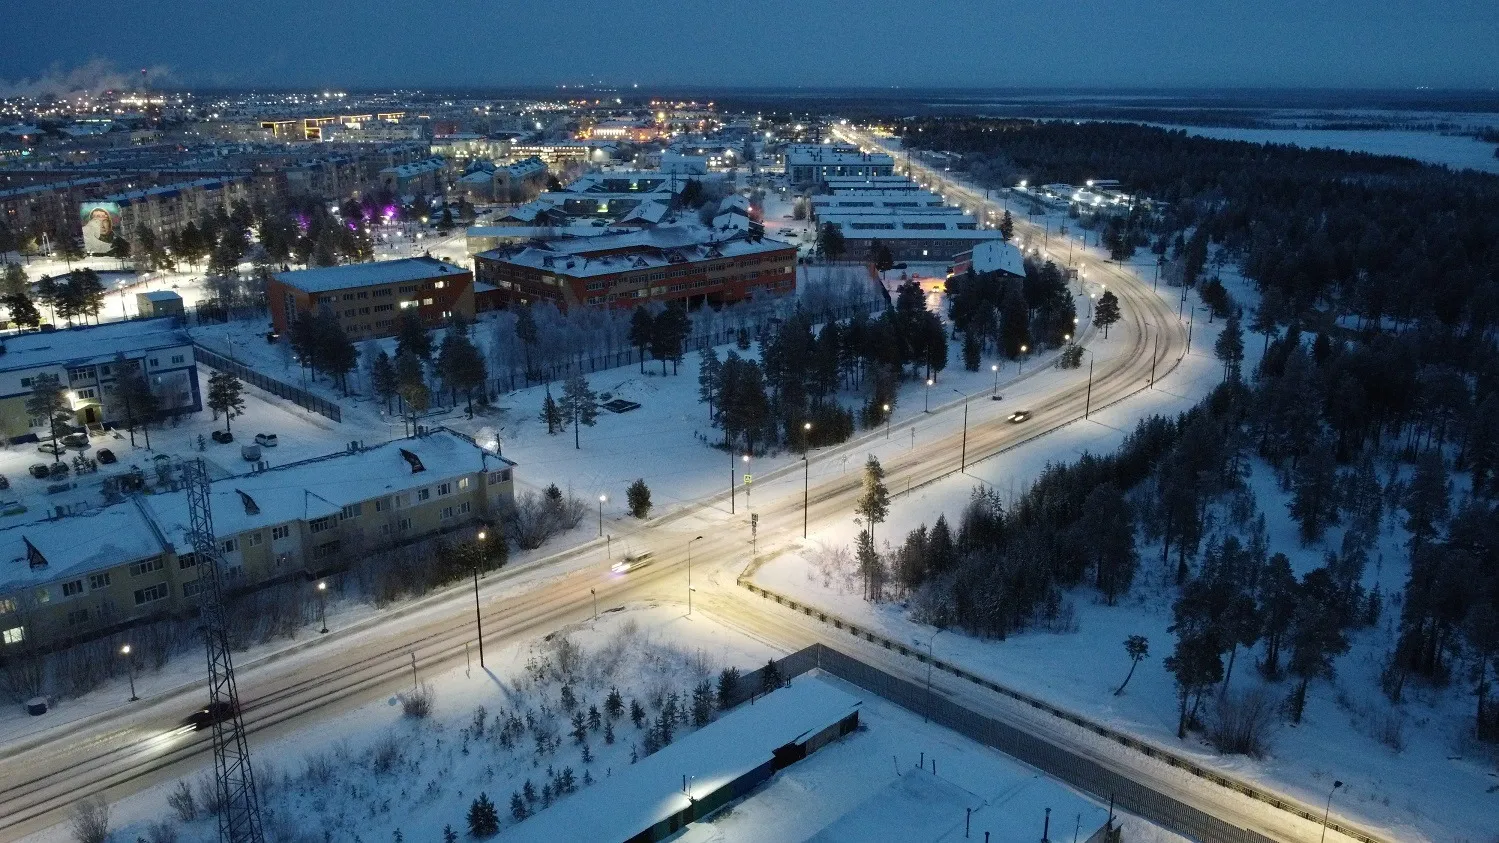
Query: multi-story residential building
[(881, 202), (79, 576), (86, 362), (517, 182), (814, 163), (564, 152), (909, 237), (368, 297), (844, 184), (170, 207), (686, 263), (425, 176)]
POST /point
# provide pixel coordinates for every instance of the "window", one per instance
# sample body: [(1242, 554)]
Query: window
[(254, 539), (187, 560), (192, 589), (407, 304), (403, 500), (229, 545), (423, 494), (381, 308), (320, 524), (154, 362), (348, 296), (404, 524), (151, 593), (279, 533), (351, 311), (80, 374), (77, 616), (408, 288), (463, 508), (447, 512), (7, 605), (496, 477), (14, 635), (85, 394), (439, 285), (72, 589), (364, 311), (26, 384), (323, 551), (444, 488), (179, 358), (146, 567), (462, 484), (382, 504), (363, 295), (427, 302), (353, 510)]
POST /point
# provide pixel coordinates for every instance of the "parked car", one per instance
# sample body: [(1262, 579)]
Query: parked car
[(76, 440), (58, 469), (209, 714), (1019, 416), (105, 456), (40, 471), (267, 440), (249, 453), (53, 448), (223, 437)]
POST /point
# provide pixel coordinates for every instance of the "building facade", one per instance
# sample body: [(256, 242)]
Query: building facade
[(808, 164), (368, 298), (79, 576), (672, 263)]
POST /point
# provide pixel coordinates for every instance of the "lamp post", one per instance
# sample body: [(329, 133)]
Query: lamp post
[(130, 667), (1328, 810), (995, 367), (927, 398), (731, 479), (806, 483), (1088, 401), (322, 605), (602, 499), (478, 617), (1023, 350), (689, 574), (963, 457), (747, 478), (886, 408), (595, 596), (929, 659)]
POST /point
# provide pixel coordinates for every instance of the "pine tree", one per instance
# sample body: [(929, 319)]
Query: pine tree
[(461, 365), (637, 714), (702, 704), (614, 704), (1427, 499), (579, 404), (972, 351), (1316, 636), (641, 331), (383, 378), (883, 260), (48, 400), (449, 835), (22, 311), (1314, 493), (131, 394), (639, 498), (1137, 647), (483, 819), (1106, 312), (830, 241), (1007, 227), (411, 383), (708, 379), (412, 336), (770, 677), (728, 687), (518, 808), (1230, 347), (873, 503), (551, 414), (225, 395)]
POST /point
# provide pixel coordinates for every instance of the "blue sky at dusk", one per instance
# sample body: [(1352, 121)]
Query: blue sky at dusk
[(765, 43)]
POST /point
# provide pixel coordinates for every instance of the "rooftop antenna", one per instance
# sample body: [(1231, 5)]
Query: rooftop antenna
[(239, 821)]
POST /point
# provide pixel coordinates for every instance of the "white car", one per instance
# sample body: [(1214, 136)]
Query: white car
[(265, 440), (631, 562)]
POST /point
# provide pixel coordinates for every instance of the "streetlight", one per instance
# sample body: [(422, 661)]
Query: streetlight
[(927, 399), (963, 458), (886, 408), (130, 666), (689, 575), (322, 605), (747, 478), (1023, 350), (806, 483), (1088, 401), (929, 660), (995, 367), (479, 618), (602, 499), (595, 596), (1325, 811)]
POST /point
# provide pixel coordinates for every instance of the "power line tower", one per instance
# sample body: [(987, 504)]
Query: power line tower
[(239, 821)]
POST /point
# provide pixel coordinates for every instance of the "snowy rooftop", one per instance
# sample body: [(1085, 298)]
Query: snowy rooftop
[(916, 807), (166, 190), (161, 296), (98, 343), (854, 223), (998, 256), (648, 211), (619, 807), (416, 168), (647, 247), (539, 232), (326, 278), (75, 544), (828, 156)]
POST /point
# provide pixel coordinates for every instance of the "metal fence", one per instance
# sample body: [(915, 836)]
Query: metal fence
[(1170, 813), (280, 389)]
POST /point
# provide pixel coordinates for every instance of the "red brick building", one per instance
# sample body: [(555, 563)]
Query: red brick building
[(367, 298), (686, 263)]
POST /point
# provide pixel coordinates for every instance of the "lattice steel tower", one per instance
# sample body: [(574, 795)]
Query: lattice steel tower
[(239, 821)]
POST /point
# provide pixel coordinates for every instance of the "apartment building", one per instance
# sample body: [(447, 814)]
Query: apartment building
[(86, 362), (808, 164), (168, 208), (79, 576), (425, 176), (368, 297), (667, 263)]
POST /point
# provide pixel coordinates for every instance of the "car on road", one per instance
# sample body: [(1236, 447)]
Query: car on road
[(209, 715), (1019, 416), (265, 440), (52, 448), (631, 562)]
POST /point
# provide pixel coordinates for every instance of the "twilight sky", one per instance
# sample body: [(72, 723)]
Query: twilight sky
[(761, 43)]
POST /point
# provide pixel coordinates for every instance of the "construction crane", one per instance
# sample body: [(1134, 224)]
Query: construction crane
[(239, 821)]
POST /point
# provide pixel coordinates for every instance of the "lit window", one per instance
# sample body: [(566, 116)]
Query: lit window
[(14, 635)]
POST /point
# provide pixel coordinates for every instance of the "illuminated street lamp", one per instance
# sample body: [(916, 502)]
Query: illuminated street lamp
[(886, 408), (322, 605), (478, 617), (995, 367), (602, 499), (747, 478), (927, 398), (1328, 810), (130, 666), (1023, 350)]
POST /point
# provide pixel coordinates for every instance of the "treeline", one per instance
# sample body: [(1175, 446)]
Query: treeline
[(80, 294), (1005, 315)]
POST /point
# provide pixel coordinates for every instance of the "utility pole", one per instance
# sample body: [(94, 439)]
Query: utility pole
[(1088, 401), (239, 819), (689, 574)]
